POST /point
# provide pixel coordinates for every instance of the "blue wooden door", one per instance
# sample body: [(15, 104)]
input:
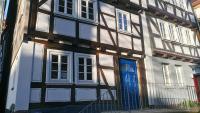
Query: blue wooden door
[(129, 84)]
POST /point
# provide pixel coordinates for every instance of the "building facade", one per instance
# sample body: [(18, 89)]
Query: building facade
[(71, 52)]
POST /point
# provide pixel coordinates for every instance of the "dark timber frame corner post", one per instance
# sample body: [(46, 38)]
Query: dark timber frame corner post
[(7, 56)]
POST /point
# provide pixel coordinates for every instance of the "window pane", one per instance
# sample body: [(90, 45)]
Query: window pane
[(54, 66), (61, 2), (81, 76), (89, 61), (69, 11), (64, 67), (83, 15), (63, 75), (91, 11), (91, 17), (54, 75), (83, 3), (54, 58), (81, 68), (125, 22), (61, 9), (89, 68), (89, 76), (64, 59), (120, 20), (81, 61)]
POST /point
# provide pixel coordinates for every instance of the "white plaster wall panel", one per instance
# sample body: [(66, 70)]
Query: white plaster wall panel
[(198, 51), (38, 62), (110, 77), (178, 48), (105, 37), (106, 60), (135, 18), (86, 94), (136, 30), (24, 78), (197, 12), (107, 8), (109, 21), (186, 50), (58, 95), (64, 27), (192, 51), (170, 9), (13, 80), (178, 13), (124, 41), (144, 3), (153, 28), (88, 32), (105, 95), (168, 45), (42, 23), (46, 6), (158, 43), (135, 1), (35, 96), (152, 2), (137, 44)]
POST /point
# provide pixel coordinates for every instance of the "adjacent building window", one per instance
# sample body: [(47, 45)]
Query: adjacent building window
[(59, 66), (85, 68), (165, 68), (87, 9), (179, 75), (122, 20), (162, 29), (65, 6), (180, 35)]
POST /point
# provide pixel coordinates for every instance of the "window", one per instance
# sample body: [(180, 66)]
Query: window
[(65, 6), (179, 75), (180, 35), (58, 66), (87, 9), (165, 68), (171, 32), (188, 37), (122, 19), (162, 29), (86, 68)]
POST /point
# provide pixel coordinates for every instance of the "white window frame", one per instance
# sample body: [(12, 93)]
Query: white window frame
[(51, 52), (178, 70), (56, 8), (166, 74), (94, 69), (128, 21), (95, 10)]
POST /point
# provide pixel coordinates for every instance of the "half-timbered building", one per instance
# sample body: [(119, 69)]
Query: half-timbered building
[(171, 50), (71, 52)]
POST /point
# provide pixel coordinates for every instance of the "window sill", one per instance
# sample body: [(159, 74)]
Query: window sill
[(86, 82), (124, 32), (58, 82)]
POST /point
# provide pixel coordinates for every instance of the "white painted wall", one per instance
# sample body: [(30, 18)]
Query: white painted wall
[(124, 41), (110, 77), (38, 62), (105, 37), (35, 95), (106, 60), (46, 6), (86, 94), (64, 27), (105, 95), (58, 95), (88, 32), (21, 76), (42, 23)]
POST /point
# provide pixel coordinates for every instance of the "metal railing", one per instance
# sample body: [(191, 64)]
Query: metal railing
[(161, 97)]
